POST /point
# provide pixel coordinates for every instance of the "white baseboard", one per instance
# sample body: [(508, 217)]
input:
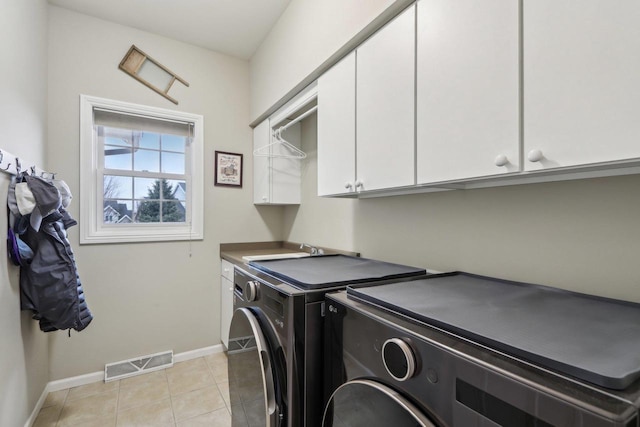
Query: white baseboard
[(36, 409), (65, 383), (94, 377), (194, 354)]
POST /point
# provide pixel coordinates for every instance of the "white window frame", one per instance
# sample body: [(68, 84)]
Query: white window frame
[(92, 228)]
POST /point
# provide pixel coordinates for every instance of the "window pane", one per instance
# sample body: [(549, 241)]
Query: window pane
[(150, 140), (146, 188), (147, 211), (116, 141), (173, 143), (117, 212), (179, 189), (146, 160), (115, 136), (172, 163), (167, 190), (117, 158), (172, 211), (117, 187)]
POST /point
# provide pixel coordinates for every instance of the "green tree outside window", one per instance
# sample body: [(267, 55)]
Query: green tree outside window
[(149, 210)]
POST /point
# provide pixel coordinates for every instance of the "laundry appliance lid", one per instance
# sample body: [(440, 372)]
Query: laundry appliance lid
[(325, 271), (591, 338)]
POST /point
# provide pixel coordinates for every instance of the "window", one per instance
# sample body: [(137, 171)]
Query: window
[(141, 173)]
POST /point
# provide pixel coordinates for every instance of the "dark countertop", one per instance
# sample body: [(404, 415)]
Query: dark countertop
[(233, 252)]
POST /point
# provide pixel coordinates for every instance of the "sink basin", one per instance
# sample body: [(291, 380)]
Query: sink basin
[(266, 257)]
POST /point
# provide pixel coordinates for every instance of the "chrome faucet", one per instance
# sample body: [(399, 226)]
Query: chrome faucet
[(314, 250)]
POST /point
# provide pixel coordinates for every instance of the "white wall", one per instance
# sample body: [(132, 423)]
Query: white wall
[(305, 36), (158, 296), (579, 235), (23, 79), (319, 221)]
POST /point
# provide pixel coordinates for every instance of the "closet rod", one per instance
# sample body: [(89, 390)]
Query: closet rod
[(297, 119)]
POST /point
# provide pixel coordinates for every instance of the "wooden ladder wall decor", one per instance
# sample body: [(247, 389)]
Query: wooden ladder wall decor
[(150, 72)]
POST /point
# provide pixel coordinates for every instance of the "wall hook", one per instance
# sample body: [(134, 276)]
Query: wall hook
[(2, 158)]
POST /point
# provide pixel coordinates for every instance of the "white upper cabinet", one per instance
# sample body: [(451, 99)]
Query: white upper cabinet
[(261, 169), (337, 128), (581, 82), (276, 180), (467, 89), (286, 172), (385, 154)]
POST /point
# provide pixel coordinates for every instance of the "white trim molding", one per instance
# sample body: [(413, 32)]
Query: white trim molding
[(92, 230)]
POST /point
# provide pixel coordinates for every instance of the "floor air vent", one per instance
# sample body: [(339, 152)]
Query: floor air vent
[(137, 366)]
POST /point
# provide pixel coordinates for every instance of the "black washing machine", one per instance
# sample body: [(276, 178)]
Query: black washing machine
[(276, 336), (464, 351)]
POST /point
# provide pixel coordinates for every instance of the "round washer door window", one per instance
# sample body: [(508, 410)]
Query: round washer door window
[(365, 403), (251, 382)]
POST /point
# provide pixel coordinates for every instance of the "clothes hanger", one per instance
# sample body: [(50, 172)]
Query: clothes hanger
[(266, 151)]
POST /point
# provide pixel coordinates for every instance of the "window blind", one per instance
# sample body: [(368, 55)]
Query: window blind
[(136, 122)]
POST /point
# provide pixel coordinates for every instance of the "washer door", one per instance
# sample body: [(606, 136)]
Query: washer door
[(366, 403), (251, 379)]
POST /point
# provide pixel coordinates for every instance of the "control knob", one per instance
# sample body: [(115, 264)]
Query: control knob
[(399, 359), (250, 291)]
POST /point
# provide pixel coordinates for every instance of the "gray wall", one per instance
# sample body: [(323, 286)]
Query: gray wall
[(579, 235), (320, 221), (150, 297), (305, 36), (23, 79)]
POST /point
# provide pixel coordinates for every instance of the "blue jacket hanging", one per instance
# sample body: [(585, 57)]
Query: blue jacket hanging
[(49, 284)]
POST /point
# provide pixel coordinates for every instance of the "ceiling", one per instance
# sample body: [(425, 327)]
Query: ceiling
[(234, 27)]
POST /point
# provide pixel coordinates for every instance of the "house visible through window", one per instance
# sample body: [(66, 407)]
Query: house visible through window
[(147, 172)]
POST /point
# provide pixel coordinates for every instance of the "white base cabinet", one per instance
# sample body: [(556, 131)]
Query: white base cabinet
[(226, 300)]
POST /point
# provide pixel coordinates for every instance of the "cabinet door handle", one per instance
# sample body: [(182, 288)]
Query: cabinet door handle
[(535, 155), (348, 185), (501, 160), (359, 184)]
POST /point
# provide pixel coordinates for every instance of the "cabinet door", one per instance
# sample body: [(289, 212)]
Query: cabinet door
[(226, 300), (581, 82), (467, 89), (385, 106), (337, 128), (261, 165), (285, 173)]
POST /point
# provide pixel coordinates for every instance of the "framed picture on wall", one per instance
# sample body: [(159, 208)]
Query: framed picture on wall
[(228, 169)]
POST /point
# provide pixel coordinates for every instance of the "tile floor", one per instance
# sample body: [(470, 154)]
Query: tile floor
[(192, 393)]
